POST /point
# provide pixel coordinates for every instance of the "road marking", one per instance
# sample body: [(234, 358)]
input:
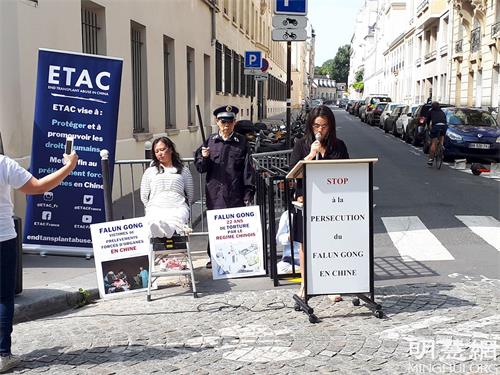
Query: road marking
[(413, 240), (471, 329), (486, 227), (398, 332)]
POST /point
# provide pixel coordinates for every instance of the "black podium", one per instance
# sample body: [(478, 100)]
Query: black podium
[(338, 230)]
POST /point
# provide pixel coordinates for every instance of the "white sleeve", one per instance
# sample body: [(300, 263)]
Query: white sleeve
[(13, 174), (283, 232), (188, 184), (145, 186)]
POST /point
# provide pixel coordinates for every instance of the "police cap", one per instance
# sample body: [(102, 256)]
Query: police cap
[(226, 111)]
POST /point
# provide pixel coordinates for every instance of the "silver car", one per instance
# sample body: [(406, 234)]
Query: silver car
[(387, 111), (402, 121)]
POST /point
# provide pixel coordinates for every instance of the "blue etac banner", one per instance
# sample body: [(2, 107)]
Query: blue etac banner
[(77, 96)]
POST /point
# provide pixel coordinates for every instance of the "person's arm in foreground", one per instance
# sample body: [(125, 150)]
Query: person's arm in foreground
[(39, 186)]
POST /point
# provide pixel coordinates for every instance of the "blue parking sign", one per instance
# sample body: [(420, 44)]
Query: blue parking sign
[(295, 7), (253, 59)]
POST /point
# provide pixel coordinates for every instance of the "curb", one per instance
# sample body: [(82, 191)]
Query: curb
[(39, 303)]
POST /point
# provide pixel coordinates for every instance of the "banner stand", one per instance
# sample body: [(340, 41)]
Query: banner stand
[(338, 231)]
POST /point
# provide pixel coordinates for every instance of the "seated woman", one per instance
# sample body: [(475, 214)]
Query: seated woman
[(166, 191)]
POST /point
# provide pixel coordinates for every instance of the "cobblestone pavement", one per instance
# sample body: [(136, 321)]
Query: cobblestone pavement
[(428, 328)]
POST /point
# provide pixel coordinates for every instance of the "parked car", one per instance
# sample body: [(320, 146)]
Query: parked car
[(373, 117), (349, 105), (402, 122), (387, 111), (355, 108), (361, 111), (472, 134), (371, 101), (316, 102), (415, 130), (390, 122)]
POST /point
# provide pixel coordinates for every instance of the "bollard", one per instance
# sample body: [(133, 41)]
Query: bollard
[(148, 150), (106, 182)]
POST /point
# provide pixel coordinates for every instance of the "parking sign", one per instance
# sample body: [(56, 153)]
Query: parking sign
[(295, 7), (253, 59)]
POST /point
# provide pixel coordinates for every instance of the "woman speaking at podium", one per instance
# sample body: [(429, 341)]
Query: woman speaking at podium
[(319, 143)]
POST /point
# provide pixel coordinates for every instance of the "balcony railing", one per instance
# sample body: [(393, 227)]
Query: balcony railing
[(459, 46), (495, 30), (475, 39), (443, 50), (422, 5), (429, 56), (418, 61)]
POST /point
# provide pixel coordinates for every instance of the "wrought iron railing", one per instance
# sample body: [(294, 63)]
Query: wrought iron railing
[(459, 46), (495, 30), (475, 39)]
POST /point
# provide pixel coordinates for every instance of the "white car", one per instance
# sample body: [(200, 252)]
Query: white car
[(402, 122), (387, 111)]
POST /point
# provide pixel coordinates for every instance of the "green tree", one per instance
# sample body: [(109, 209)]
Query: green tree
[(340, 64), (359, 84)]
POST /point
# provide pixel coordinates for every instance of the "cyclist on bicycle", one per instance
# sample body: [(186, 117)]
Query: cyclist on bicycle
[(436, 121)]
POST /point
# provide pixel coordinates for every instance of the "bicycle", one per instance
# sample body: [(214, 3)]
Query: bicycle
[(439, 155), (439, 152)]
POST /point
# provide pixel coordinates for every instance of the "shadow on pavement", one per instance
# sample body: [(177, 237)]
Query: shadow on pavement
[(393, 267), (57, 356)]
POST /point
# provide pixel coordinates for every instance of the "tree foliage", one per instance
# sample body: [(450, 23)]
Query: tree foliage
[(338, 67)]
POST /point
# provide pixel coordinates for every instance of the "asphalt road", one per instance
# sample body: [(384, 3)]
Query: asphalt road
[(429, 225)]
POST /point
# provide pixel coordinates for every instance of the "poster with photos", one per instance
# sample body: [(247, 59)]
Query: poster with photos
[(121, 253), (235, 236)]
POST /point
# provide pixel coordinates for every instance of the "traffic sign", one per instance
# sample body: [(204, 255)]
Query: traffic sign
[(289, 22), (296, 7), (253, 59), (261, 77), (289, 35), (252, 71), (265, 65)]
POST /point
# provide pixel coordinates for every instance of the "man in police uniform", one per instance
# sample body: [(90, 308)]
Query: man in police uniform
[(226, 161)]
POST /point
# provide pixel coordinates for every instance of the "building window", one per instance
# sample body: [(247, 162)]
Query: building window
[(242, 77), (236, 73), (226, 6), (139, 80), (190, 64), (227, 70), (169, 81), (93, 30), (235, 11), (218, 67)]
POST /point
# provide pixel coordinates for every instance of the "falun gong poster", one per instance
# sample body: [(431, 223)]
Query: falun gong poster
[(235, 236)]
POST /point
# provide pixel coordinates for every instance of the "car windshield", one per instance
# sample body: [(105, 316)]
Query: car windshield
[(470, 117), (381, 106), (379, 99)]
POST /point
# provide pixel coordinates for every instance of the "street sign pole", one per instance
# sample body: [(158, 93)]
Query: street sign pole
[(288, 93)]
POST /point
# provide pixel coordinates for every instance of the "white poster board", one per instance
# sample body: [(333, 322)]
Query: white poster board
[(121, 253), (338, 228), (235, 237)]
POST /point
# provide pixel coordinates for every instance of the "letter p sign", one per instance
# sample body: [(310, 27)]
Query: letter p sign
[(253, 59)]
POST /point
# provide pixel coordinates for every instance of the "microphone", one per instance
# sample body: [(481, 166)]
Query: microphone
[(318, 138)]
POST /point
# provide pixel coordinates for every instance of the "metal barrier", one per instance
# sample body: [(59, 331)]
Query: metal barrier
[(273, 198), (129, 205)]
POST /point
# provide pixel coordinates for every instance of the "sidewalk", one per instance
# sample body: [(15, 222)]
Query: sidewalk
[(51, 283)]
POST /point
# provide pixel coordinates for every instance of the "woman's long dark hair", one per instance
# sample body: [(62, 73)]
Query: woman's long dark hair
[(329, 141), (176, 159)]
